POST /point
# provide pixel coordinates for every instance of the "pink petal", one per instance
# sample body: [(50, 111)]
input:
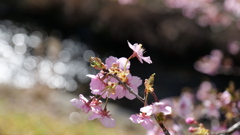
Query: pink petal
[(122, 61), (110, 60), (135, 118), (85, 108), (129, 95), (147, 59), (161, 107), (108, 122), (94, 116), (134, 81), (148, 124), (77, 103), (131, 46), (147, 109)]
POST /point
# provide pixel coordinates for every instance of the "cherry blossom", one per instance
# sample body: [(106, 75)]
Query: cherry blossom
[(120, 62), (103, 116), (143, 119), (157, 107), (85, 105), (138, 52)]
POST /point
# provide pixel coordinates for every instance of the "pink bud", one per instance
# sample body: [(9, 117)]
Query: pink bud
[(192, 129), (190, 120)]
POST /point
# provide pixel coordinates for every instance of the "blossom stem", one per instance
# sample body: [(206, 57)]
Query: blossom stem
[(128, 88), (165, 131), (125, 66), (146, 98), (154, 96), (105, 107)]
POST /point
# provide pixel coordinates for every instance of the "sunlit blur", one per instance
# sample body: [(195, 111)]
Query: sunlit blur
[(30, 58)]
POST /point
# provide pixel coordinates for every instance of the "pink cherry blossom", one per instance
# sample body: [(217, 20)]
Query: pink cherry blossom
[(138, 52), (85, 105), (134, 82), (161, 107), (121, 62), (157, 107), (103, 87), (81, 103), (225, 98), (104, 117), (143, 119)]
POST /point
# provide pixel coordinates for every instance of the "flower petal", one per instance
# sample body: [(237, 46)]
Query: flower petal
[(108, 122)]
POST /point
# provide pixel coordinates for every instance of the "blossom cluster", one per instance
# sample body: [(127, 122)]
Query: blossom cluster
[(220, 109), (114, 81)]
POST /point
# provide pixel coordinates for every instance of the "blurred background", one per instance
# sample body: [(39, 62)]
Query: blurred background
[(45, 46)]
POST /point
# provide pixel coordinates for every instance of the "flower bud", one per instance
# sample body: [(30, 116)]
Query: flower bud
[(97, 63), (192, 129), (190, 120)]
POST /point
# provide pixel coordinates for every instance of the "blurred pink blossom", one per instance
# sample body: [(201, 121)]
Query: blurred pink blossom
[(209, 64), (190, 120), (204, 90), (232, 6), (233, 47), (212, 108), (185, 105), (225, 98)]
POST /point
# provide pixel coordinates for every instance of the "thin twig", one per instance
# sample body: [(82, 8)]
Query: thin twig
[(127, 87), (165, 131), (230, 130)]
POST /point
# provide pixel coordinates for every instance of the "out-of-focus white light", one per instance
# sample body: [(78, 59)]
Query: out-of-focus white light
[(82, 75), (24, 80), (45, 66), (44, 77), (75, 117), (71, 85), (5, 72), (6, 50), (64, 56), (87, 54), (58, 81), (35, 39), (59, 68), (19, 39), (20, 49), (30, 63)]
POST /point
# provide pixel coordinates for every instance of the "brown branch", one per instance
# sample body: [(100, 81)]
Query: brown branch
[(127, 87), (230, 130), (165, 131)]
